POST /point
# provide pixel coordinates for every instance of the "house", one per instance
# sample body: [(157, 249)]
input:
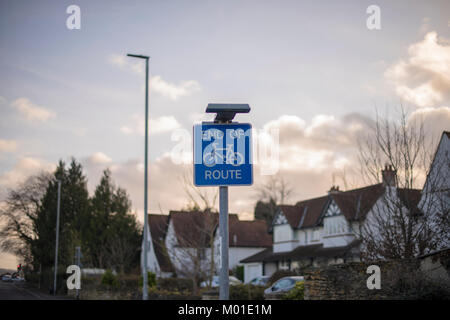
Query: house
[(435, 197), (245, 239), (324, 230), (188, 242), (158, 260)]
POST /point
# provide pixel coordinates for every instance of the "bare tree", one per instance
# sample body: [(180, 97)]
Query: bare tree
[(193, 252), (397, 226), (272, 192), (275, 188), (120, 253), (347, 176), (200, 199), (19, 216)]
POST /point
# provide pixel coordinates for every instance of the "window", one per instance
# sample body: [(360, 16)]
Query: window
[(285, 283)]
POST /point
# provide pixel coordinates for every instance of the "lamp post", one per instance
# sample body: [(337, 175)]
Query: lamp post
[(144, 286), (57, 236)]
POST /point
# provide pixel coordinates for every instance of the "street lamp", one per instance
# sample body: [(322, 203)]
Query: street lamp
[(144, 286), (57, 236)]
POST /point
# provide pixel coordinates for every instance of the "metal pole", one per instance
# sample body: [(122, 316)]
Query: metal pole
[(223, 231), (145, 280), (57, 236), (78, 250), (144, 271)]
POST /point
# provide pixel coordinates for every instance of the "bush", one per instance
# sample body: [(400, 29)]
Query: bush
[(246, 292), (45, 280), (109, 279), (239, 272), (130, 282), (175, 284), (297, 293), (280, 274), (151, 279)]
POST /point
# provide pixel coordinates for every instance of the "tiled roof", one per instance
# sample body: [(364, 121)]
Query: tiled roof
[(354, 204), (302, 252), (196, 228), (293, 214), (313, 209), (249, 233), (158, 229)]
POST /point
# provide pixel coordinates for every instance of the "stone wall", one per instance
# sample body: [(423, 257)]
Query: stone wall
[(400, 279)]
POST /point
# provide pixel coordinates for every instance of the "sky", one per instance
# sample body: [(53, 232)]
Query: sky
[(312, 70)]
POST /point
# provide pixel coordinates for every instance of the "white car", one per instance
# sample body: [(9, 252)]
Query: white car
[(7, 278), (17, 279), (215, 282)]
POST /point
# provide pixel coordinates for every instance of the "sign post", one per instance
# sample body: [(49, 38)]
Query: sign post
[(222, 157)]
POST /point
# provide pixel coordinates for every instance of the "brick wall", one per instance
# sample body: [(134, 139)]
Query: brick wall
[(400, 279)]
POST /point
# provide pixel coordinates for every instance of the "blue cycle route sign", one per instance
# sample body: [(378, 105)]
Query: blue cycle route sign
[(223, 154)]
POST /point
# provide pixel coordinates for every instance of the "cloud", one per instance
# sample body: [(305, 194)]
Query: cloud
[(435, 120), (173, 91), (165, 189), (197, 117), (126, 63), (31, 111), (157, 84), (323, 132), (99, 158), (425, 26), (156, 125), (8, 145), (81, 132), (24, 167), (424, 78)]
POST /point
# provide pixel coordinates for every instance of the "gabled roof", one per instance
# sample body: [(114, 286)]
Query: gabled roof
[(303, 252), (158, 229), (313, 209), (249, 233), (195, 229), (436, 162), (354, 204)]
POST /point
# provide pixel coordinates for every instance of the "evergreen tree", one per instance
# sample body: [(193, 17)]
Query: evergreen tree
[(43, 246), (265, 210), (73, 214), (114, 240)]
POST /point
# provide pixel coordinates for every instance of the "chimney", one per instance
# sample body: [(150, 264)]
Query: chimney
[(333, 190), (389, 176)]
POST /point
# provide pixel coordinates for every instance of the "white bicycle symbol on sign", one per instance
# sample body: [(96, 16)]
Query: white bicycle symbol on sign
[(212, 158)]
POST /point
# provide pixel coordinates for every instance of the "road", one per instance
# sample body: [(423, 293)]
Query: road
[(21, 291)]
